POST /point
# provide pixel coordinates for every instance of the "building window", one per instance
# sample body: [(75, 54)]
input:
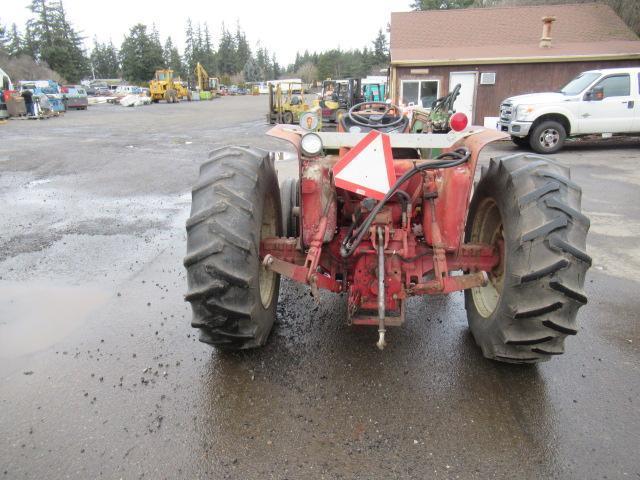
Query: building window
[(419, 92)]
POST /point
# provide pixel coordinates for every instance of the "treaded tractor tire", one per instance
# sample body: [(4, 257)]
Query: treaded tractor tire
[(287, 117), (289, 199), (537, 137), (531, 302), (235, 202)]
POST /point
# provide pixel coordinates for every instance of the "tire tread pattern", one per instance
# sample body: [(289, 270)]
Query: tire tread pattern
[(223, 234), (546, 258)]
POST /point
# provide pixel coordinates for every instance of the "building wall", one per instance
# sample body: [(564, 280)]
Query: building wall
[(511, 79)]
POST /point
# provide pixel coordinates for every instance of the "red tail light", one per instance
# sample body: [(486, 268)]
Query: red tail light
[(458, 122)]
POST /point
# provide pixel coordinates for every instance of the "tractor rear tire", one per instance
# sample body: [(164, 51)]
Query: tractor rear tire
[(289, 199), (529, 208), (235, 204)]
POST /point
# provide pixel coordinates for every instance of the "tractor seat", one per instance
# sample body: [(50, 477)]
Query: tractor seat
[(349, 125)]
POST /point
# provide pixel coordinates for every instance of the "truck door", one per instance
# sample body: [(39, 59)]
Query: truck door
[(635, 90), (615, 111)]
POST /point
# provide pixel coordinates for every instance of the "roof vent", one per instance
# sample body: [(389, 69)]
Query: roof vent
[(545, 41)]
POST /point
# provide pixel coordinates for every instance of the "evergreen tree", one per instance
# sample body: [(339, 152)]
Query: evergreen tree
[(189, 47), (156, 51), (208, 58), (4, 38), (139, 55), (440, 4), (243, 52), (172, 58), (53, 40), (275, 67), (104, 60), (198, 44), (251, 72), (29, 46), (14, 43), (381, 48), (226, 53), (263, 63)]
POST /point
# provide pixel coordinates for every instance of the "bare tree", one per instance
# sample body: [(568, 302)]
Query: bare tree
[(308, 73), (23, 67)]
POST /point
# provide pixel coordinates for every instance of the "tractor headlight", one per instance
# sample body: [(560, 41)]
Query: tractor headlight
[(311, 144)]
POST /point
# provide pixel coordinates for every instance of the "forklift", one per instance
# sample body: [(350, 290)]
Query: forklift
[(286, 103), (338, 96)]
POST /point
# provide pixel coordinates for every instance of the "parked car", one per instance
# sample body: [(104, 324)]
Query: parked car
[(233, 90), (605, 102), (241, 91), (75, 96)]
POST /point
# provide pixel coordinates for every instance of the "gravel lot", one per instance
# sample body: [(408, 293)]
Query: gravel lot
[(102, 376)]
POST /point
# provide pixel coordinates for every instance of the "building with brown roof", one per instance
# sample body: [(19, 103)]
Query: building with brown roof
[(495, 53)]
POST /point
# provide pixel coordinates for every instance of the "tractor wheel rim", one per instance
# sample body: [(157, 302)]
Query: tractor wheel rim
[(550, 137), (267, 278), (488, 229)]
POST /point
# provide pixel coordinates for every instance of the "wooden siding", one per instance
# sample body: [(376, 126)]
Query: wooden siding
[(511, 79)]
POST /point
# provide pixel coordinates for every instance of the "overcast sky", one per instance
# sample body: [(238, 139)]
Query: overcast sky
[(283, 27)]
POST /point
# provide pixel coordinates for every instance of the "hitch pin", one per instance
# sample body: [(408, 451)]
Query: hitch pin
[(381, 306)]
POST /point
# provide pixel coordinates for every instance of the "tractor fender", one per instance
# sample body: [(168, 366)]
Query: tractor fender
[(455, 186)]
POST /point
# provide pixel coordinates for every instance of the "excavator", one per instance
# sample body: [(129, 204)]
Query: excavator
[(209, 87)]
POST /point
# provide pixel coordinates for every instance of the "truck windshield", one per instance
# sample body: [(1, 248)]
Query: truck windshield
[(578, 84)]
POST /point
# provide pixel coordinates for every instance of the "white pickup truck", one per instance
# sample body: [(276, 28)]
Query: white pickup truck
[(603, 102)]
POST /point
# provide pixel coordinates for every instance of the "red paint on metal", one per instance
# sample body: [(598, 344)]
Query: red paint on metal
[(415, 243)]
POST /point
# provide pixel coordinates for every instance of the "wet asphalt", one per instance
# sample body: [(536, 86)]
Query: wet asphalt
[(101, 375)]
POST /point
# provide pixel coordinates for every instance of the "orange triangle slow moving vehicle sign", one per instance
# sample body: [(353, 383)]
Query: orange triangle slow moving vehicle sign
[(367, 169)]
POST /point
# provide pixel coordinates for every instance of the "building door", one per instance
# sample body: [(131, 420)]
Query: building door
[(466, 99)]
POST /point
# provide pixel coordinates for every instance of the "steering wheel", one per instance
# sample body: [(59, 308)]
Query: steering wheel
[(375, 118)]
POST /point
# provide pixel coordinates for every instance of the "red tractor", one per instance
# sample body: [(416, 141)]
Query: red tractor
[(383, 209)]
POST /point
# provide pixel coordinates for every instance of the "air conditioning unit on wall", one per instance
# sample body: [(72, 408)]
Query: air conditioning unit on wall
[(488, 78)]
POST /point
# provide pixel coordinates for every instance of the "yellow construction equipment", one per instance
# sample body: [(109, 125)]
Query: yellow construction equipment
[(165, 87), (286, 103), (209, 87)]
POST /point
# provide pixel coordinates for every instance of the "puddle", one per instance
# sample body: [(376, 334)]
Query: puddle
[(35, 316)]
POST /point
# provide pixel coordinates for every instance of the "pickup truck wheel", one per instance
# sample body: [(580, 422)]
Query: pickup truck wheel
[(235, 204), (547, 137), (529, 208), (521, 141)]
